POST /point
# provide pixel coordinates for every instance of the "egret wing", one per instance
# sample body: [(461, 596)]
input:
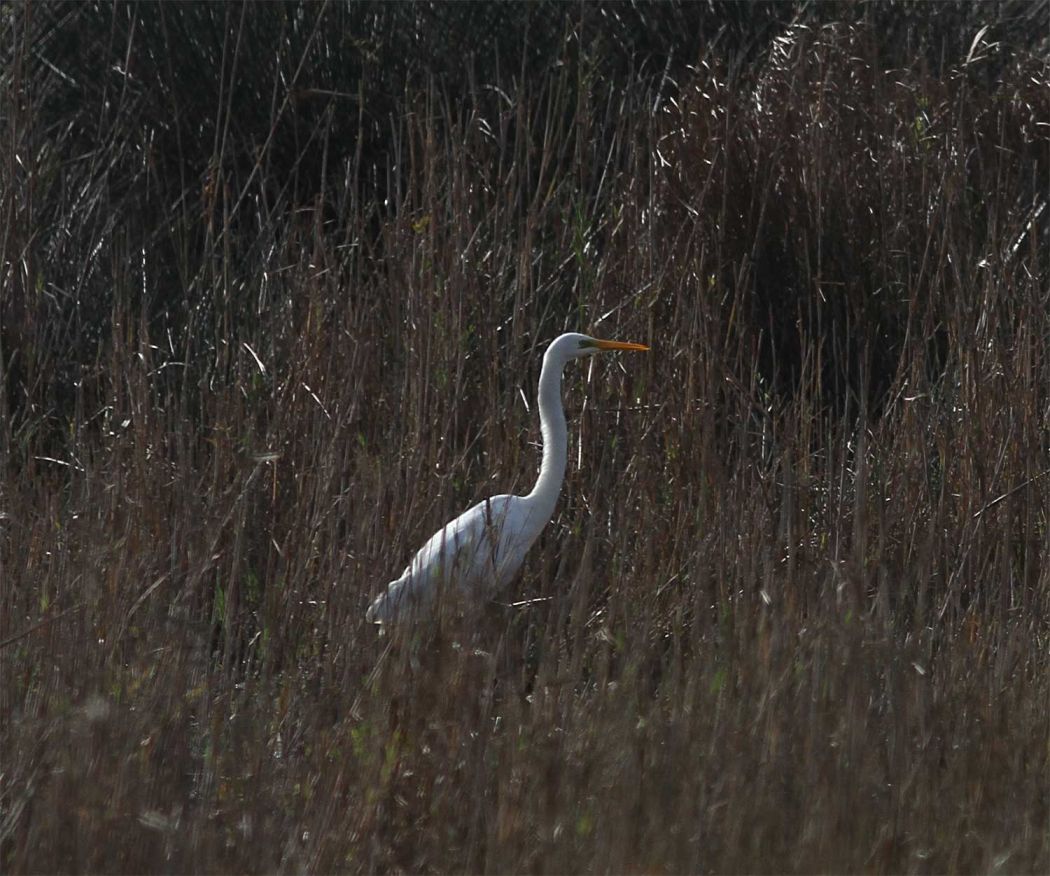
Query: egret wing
[(468, 552)]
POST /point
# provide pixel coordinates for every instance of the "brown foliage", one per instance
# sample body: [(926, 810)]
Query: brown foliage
[(792, 612)]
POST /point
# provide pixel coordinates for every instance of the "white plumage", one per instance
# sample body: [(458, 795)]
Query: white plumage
[(482, 550)]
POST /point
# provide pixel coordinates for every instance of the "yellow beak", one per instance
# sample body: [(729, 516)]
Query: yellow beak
[(618, 345)]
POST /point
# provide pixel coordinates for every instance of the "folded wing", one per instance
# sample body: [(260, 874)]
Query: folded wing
[(478, 553)]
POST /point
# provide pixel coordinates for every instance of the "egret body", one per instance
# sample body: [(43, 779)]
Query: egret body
[(482, 550)]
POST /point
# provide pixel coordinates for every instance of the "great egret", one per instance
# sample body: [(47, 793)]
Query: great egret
[(481, 550)]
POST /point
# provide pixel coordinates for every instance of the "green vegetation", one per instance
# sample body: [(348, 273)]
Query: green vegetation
[(274, 285)]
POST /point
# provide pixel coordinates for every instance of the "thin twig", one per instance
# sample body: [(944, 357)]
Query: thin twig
[(37, 626)]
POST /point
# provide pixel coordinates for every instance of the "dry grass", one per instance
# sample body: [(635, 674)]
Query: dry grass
[(794, 603)]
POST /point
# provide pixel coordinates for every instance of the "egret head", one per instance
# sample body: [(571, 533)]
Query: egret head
[(573, 345)]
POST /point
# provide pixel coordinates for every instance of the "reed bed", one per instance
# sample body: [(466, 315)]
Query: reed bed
[(273, 311)]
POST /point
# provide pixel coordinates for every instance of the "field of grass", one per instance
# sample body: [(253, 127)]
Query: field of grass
[(275, 283)]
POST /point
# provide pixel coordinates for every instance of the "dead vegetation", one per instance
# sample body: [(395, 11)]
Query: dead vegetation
[(272, 317)]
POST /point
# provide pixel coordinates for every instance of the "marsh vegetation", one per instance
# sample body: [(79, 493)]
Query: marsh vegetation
[(275, 282)]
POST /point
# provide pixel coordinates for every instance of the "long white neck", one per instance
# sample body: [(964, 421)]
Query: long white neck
[(544, 495)]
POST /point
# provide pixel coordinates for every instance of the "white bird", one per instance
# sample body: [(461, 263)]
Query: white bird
[(481, 550)]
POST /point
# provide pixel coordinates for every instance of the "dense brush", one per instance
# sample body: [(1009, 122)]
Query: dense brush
[(264, 330)]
